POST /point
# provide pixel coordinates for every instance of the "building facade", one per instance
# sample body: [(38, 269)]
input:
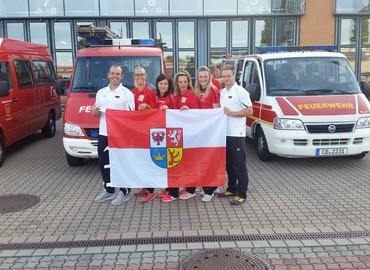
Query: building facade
[(196, 32)]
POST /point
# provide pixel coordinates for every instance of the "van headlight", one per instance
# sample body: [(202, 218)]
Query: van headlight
[(363, 122), (72, 130), (283, 123)]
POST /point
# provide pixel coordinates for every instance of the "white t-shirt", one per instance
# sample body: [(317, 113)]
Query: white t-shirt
[(118, 99), (236, 99)]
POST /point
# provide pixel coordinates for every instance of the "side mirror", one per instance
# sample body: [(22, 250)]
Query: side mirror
[(62, 86), (4, 89), (365, 88)]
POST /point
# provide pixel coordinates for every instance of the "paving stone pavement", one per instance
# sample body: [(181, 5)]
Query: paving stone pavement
[(287, 197)]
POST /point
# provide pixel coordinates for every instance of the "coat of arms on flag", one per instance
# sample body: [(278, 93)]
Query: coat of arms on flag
[(166, 146)]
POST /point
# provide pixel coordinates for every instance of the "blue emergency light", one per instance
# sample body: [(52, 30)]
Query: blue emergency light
[(133, 41), (329, 48)]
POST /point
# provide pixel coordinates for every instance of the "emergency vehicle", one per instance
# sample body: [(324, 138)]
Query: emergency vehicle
[(306, 103), (28, 92), (103, 49)]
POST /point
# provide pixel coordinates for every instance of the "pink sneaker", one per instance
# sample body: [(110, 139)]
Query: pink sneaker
[(186, 195), (168, 198), (162, 193)]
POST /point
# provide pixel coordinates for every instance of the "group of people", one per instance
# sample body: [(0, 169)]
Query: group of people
[(180, 95)]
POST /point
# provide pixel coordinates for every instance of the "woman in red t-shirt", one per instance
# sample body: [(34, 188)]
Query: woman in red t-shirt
[(186, 99), (184, 93), (209, 97), (164, 96)]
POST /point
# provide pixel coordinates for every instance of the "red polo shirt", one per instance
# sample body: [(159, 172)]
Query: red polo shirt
[(147, 95), (213, 97)]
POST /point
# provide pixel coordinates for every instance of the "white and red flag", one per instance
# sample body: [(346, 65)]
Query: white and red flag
[(167, 148)]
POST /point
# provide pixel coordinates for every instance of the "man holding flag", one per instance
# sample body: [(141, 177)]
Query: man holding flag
[(114, 96)]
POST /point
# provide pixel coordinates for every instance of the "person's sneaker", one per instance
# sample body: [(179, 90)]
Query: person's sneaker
[(162, 193), (140, 192), (207, 198), (237, 200), (105, 196), (168, 198), (148, 197), (225, 194), (215, 192), (187, 195), (121, 198)]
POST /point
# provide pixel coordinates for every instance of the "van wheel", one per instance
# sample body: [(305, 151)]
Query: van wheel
[(2, 149), (262, 147), (74, 161), (49, 130)]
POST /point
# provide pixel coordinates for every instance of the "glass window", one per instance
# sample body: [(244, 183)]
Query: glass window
[(348, 34), (120, 28), (350, 53), (218, 34), (240, 33), (23, 73), (365, 60), (44, 72), (42, 8), (5, 74), (254, 7), (189, 8), (164, 31), (14, 8), (365, 35), (168, 59), (15, 31), (140, 29), (64, 64), (212, 7), (217, 56), (81, 7), (263, 33), (63, 35), (186, 34), (239, 52), (351, 6), (151, 7), (288, 6), (117, 8), (285, 32), (38, 33), (187, 62)]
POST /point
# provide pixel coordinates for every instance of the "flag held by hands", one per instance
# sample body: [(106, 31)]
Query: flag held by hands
[(167, 148)]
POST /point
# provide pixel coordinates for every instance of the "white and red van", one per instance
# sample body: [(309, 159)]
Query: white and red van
[(29, 99), (306, 103), (92, 65)]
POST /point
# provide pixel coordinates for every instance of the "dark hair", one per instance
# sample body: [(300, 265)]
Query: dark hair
[(162, 77)]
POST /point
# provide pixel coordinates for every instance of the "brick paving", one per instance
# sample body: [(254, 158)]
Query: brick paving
[(286, 197)]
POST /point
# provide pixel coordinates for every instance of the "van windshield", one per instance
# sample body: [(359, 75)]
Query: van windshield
[(309, 76), (91, 73)]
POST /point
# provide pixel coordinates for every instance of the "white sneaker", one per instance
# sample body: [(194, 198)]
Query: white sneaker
[(207, 198), (215, 192), (105, 196), (120, 199)]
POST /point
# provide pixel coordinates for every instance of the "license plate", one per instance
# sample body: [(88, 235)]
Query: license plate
[(331, 151)]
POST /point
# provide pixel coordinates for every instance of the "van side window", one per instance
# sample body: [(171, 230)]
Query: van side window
[(44, 72), (24, 73), (5, 74)]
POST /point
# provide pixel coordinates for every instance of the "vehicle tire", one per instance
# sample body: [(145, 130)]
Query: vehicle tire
[(262, 147), (74, 161), (2, 149), (49, 130)]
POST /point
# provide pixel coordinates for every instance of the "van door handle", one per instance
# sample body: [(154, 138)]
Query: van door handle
[(14, 100)]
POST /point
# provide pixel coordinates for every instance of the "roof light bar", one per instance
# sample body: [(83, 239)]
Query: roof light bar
[(329, 48), (133, 41)]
